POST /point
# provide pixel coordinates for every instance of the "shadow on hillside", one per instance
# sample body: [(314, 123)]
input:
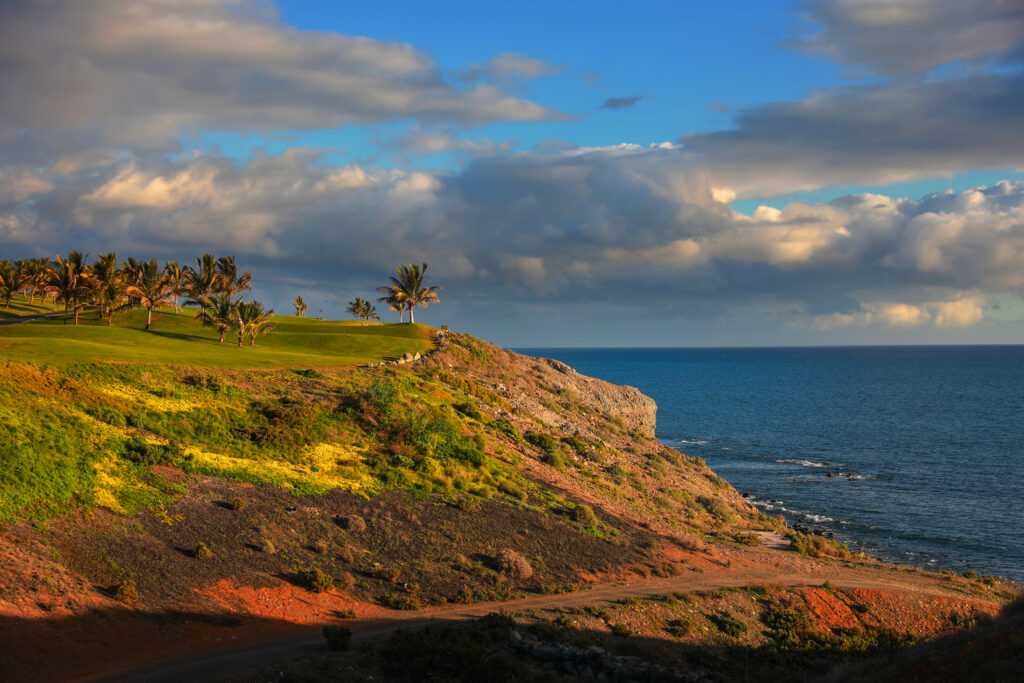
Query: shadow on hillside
[(133, 645), (181, 336), (102, 644)]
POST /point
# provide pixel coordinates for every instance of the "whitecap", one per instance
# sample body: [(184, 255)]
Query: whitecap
[(805, 463)]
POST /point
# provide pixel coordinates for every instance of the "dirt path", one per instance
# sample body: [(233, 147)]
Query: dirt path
[(308, 641)]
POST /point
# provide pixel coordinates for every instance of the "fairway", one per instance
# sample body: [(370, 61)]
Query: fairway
[(179, 339)]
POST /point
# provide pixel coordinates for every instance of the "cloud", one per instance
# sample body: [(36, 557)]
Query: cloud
[(586, 225), (903, 37), (621, 102), (437, 141), (869, 135), (79, 75), (510, 66), (962, 312)]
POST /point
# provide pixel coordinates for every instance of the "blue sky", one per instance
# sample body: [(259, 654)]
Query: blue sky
[(657, 174)]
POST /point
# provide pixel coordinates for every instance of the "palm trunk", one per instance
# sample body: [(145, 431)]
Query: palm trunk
[(110, 316), (412, 319), (241, 336), (223, 333), (149, 317), (77, 311)]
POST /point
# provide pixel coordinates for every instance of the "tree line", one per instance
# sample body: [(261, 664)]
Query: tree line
[(214, 285), (109, 286)]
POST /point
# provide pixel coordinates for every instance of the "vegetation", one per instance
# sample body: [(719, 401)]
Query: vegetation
[(361, 308), (407, 291), (300, 306)]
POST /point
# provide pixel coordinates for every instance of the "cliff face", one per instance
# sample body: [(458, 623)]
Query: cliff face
[(556, 394)]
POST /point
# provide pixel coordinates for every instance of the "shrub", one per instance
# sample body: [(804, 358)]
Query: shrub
[(506, 428), (237, 504), (469, 410), (353, 523), (126, 592), (717, 509), (454, 652), (314, 579), (338, 637), (727, 624), (575, 444), (403, 602), (513, 564), (621, 629), (584, 514), (141, 452), (813, 545), (347, 582), (267, 546), (546, 443), (202, 551), (679, 628), (320, 547)]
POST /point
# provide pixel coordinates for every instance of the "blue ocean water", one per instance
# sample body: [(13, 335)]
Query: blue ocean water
[(926, 443)]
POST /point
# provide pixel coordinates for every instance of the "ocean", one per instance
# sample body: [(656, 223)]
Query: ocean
[(926, 444)]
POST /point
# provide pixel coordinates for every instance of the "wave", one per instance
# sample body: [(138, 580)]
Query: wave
[(807, 463)]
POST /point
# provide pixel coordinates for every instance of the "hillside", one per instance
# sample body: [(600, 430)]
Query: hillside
[(161, 492)]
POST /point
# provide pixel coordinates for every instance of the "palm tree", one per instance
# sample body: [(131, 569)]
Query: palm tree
[(202, 282), (356, 307), (109, 285), (251, 319), (36, 269), (151, 288), (218, 314), (69, 281), (393, 301), (408, 291), (300, 306), (229, 281), (177, 280), (8, 274), (370, 312)]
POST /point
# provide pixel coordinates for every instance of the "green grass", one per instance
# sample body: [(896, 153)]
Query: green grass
[(178, 339), (20, 306)]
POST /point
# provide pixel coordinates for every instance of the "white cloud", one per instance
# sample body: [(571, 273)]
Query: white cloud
[(124, 72), (511, 66), (908, 36)]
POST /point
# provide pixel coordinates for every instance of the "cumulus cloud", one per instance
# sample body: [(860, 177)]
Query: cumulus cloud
[(582, 225), (961, 312), (909, 36), (121, 72), (509, 67), (621, 102), (869, 135)]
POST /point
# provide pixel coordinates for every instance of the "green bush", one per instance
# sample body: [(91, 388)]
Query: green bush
[(469, 410), (727, 624), (717, 509), (454, 652), (584, 514), (141, 452), (506, 428), (202, 551), (314, 579)]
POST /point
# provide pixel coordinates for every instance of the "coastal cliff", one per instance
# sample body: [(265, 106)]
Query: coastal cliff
[(245, 502)]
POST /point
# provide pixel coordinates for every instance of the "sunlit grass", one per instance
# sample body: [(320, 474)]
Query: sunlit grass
[(178, 339)]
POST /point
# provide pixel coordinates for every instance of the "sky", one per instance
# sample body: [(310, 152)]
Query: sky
[(753, 173)]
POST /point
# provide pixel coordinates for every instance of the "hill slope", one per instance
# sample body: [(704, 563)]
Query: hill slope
[(192, 491)]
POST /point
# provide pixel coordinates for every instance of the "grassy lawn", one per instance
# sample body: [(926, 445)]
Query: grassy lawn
[(20, 306), (178, 339)]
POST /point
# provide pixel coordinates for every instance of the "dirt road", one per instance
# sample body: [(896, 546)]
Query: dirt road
[(308, 641)]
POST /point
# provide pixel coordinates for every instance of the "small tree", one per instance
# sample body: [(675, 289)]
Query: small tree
[(151, 288), (219, 313), (300, 306)]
